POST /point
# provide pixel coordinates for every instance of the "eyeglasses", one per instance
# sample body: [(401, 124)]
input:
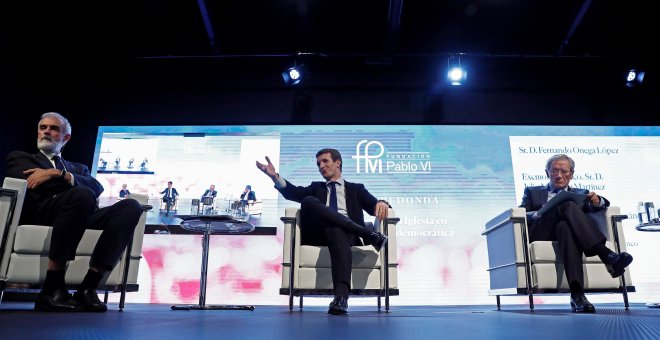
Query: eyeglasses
[(560, 171)]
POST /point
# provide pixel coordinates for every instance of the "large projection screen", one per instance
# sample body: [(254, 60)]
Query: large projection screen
[(445, 183)]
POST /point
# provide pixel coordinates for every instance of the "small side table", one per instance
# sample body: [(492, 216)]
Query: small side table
[(209, 225), (650, 227)]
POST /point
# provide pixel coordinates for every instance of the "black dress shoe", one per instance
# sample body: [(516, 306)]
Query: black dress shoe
[(617, 263), (89, 301), (338, 306), (57, 301), (377, 240), (580, 304)]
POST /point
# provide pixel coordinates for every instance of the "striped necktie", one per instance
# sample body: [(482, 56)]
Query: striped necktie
[(59, 164)]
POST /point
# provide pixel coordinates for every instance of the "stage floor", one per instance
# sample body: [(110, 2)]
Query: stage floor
[(156, 321)]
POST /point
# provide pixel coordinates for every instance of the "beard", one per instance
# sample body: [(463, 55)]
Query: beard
[(48, 145)]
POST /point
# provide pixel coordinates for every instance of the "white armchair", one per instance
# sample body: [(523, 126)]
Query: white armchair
[(254, 208), (24, 249), (306, 269), (517, 267)]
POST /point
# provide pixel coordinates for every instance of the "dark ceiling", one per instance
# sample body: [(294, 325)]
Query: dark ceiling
[(337, 27), (78, 38), (494, 27)]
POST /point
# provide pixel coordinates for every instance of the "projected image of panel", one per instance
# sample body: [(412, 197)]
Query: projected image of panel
[(444, 182)]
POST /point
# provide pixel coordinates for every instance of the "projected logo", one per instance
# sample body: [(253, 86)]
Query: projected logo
[(371, 157)]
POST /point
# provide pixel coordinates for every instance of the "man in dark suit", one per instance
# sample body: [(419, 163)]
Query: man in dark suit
[(575, 232), (246, 197), (331, 214), (169, 197), (208, 197), (210, 192), (63, 194), (123, 193)]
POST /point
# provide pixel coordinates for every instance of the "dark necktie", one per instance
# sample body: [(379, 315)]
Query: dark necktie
[(556, 191), (59, 164), (333, 196)]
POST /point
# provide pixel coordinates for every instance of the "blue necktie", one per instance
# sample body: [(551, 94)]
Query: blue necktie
[(556, 191), (333, 196), (59, 165)]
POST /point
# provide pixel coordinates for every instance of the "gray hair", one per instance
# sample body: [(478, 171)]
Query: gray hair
[(560, 157), (66, 126)]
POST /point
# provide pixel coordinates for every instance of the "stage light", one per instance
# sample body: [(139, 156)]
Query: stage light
[(634, 78), (456, 74), (293, 75)]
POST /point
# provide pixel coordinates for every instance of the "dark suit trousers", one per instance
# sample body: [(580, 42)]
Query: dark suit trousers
[(169, 202), (322, 226), (73, 211), (575, 232)]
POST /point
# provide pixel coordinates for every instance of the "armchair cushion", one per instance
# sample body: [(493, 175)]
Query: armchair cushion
[(35, 239), (547, 251), (364, 257), (255, 207)]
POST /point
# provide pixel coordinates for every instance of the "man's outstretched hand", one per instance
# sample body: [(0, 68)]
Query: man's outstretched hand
[(268, 169)]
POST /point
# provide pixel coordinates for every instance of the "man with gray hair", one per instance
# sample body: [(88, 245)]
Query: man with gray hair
[(568, 225), (63, 194)]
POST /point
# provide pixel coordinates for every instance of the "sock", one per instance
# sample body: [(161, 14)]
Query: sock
[(91, 280), (54, 281), (341, 290), (576, 289), (602, 251)]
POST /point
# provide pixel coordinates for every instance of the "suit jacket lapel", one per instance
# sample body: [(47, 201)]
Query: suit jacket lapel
[(544, 197), (43, 161), (540, 199), (350, 202), (322, 193)]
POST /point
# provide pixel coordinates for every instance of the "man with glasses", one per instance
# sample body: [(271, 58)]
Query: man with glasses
[(568, 225)]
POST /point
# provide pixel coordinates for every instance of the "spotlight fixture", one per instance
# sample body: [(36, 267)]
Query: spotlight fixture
[(634, 78), (456, 74), (293, 75)]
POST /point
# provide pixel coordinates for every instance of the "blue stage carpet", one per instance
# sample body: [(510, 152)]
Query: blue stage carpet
[(152, 321)]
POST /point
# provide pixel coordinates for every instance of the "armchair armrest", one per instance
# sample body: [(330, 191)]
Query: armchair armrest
[(508, 216), (11, 204), (291, 231), (504, 235), (8, 198)]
